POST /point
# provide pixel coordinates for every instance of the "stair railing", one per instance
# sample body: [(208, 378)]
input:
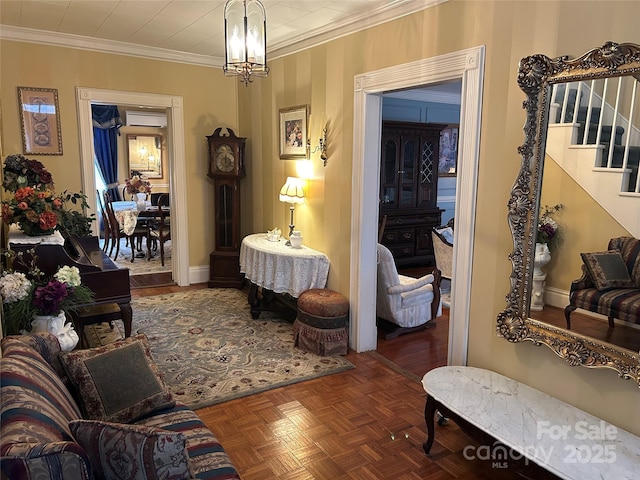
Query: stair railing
[(613, 104)]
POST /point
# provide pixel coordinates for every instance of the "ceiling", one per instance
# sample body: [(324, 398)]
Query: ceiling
[(190, 31)]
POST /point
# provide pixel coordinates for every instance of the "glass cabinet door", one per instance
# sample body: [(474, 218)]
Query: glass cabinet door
[(407, 172), (389, 172), (426, 177)]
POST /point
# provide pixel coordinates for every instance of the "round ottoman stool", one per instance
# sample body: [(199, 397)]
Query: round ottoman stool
[(321, 325)]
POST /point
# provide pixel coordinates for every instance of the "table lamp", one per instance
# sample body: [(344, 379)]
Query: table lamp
[(292, 192)]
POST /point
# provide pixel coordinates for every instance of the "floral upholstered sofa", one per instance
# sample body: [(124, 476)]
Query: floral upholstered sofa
[(101, 430)]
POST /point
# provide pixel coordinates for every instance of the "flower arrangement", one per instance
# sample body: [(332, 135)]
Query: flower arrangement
[(548, 228), (34, 209), (27, 292), (137, 184), (34, 206), (21, 172)]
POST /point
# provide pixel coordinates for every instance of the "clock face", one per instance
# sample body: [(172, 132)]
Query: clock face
[(225, 160)]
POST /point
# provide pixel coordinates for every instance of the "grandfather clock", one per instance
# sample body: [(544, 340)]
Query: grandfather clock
[(226, 168)]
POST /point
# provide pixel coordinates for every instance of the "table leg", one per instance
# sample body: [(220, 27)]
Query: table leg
[(254, 301), (429, 414), (127, 317)]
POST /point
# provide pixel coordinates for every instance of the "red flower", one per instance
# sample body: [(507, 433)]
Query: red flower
[(24, 192), (23, 206), (48, 220)]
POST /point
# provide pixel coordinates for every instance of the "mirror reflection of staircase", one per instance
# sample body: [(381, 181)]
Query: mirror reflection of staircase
[(601, 154)]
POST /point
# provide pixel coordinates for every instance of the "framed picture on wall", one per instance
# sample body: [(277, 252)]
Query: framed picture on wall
[(294, 135), (40, 121), (448, 162)]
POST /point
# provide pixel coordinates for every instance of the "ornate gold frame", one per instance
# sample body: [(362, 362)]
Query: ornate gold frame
[(536, 75)]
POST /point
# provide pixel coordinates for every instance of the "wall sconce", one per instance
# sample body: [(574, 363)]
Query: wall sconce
[(245, 33), (292, 192), (321, 147)]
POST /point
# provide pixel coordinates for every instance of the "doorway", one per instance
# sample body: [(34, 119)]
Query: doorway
[(467, 65), (176, 155)]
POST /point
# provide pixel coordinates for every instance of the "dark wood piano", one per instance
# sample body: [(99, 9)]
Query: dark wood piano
[(108, 282)]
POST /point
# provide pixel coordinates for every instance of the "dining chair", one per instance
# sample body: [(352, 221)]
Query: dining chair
[(161, 199), (159, 230), (134, 238), (106, 226)]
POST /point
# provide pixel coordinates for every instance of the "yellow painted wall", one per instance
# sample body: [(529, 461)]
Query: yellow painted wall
[(584, 226), (209, 99), (323, 78)]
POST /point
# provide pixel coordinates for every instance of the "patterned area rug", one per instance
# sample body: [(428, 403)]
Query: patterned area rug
[(142, 266), (210, 350)]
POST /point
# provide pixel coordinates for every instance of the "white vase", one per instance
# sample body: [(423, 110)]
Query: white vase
[(55, 324), (296, 239), (542, 257), (141, 201)]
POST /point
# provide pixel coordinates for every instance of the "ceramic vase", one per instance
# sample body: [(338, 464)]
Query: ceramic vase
[(141, 201), (542, 257), (296, 239), (55, 324)]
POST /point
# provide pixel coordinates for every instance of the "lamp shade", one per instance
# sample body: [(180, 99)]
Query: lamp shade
[(292, 191), (245, 32)]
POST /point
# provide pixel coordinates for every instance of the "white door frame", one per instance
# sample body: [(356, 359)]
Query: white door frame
[(85, 97), (467, 65)]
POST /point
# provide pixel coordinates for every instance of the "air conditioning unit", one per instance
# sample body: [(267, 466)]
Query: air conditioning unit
[(145, 119)]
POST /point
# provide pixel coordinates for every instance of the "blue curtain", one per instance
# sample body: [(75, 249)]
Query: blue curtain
[(106, 122)]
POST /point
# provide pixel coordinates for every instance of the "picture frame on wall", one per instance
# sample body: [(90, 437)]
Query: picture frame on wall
[(294, 134), (40, 121), (448, 161)]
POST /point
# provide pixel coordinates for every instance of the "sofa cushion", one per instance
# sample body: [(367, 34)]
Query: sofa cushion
[(629, 248), (621, 303), (118, 382), (208, 459), (608, 270), (36, 409), (132, 452), (45, 343)]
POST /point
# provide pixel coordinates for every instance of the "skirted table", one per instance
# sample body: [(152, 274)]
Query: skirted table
[(281, 269)]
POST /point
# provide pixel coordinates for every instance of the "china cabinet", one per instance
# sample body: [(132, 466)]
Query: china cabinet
[(409, 189)]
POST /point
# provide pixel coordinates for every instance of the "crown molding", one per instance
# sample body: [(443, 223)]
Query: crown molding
[(392, 10), (57, 39)]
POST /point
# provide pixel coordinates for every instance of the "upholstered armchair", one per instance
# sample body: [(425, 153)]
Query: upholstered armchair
[(407, 303), (442, 239)]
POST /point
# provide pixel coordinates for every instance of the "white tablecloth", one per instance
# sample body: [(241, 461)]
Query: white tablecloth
[(282, 269), (18, 237), (127, 219)]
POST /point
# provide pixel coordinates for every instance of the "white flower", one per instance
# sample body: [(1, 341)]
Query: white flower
[(14, 287), (68, 275)]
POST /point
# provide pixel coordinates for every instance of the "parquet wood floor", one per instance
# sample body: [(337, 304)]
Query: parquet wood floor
[(365, 423)]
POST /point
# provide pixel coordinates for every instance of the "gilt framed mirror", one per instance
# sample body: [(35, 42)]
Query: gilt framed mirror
[(582, 119), (144, 153)]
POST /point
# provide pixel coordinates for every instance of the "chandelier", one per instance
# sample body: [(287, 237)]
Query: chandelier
[(245, 32)]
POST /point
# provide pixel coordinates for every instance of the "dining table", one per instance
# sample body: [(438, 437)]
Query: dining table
[(129, 216)]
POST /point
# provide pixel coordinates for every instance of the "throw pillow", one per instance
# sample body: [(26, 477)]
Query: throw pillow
[(118, 382), (608, 270), (132, 452), (447, 234)]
